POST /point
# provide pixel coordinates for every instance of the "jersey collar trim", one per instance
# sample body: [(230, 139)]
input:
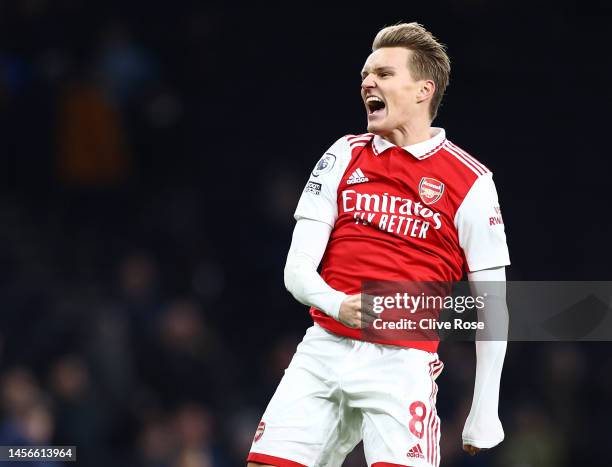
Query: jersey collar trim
[(420, 151)]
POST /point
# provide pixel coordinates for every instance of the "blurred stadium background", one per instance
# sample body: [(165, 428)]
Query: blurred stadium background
[(151, 157)]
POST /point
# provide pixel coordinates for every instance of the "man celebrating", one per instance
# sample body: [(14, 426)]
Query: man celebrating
[(399, 203)]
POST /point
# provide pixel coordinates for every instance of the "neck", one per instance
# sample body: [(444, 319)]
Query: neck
[(410, 133)]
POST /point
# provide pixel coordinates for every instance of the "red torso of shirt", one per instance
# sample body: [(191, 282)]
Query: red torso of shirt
[(385, 231)]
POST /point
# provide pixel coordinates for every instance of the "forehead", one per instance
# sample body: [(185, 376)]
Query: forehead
[(395, 57)]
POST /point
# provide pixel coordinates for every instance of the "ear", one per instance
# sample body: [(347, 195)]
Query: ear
[(426, 90)]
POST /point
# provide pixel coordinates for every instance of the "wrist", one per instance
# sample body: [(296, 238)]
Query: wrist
[(335, 304), (483, 430)]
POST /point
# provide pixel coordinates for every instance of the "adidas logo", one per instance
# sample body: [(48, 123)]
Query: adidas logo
[(357, 177), (416, 452)]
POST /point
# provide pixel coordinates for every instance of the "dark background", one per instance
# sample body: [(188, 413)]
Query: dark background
[(151, 158)]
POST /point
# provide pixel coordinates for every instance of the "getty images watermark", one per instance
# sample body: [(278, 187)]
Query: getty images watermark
[(534, 311), (428, 304)]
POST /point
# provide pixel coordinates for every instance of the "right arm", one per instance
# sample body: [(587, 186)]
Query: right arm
[(316, 215), (302, 280)]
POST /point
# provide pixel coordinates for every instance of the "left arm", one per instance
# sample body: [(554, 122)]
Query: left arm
[(483, 429), (483, 239)]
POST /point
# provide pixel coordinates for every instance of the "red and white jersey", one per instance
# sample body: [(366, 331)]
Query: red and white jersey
[(422, 213)]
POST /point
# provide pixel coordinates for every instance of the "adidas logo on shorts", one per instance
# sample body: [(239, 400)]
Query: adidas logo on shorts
[(416, 452), (357, 177)]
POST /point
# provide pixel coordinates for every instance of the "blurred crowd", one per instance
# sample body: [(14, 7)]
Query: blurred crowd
[(143, 316)]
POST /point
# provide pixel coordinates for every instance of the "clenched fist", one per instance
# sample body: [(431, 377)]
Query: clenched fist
[(356, 311)]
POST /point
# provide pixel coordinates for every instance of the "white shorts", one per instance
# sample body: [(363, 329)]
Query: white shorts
[(338, 391)]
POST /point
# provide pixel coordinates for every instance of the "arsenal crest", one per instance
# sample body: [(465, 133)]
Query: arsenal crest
[(260, 431), (430, 190)]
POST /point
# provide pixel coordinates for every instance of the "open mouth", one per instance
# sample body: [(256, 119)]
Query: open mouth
[(375, 105)]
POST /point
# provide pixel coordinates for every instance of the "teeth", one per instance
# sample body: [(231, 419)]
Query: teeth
[(373, 99)]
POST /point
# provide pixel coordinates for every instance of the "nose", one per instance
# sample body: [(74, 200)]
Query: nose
[(368, 82)]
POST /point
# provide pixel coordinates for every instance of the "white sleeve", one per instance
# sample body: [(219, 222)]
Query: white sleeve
[(480, 226), (301, 277), (319, 199), (483, 429)]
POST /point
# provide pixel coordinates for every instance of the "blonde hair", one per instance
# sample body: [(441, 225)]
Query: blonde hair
[(428, 58)]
